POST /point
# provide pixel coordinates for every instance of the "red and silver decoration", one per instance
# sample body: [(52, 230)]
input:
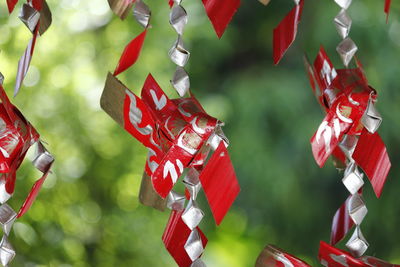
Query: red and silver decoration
[(181, 138), (17, 135)]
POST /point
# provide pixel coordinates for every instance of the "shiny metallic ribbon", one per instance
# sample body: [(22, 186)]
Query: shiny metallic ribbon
[(346, 48), (353, 179), (178, 53), (42, 162), (192, 214)]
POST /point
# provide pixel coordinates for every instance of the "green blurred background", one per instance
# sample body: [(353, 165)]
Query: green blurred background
[(88, 212)]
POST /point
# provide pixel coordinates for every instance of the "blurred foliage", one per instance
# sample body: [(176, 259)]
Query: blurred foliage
[(88, 212)]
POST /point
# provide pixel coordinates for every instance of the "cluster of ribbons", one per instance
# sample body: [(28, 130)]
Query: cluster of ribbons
[(328, 256), (348, 133), (181, 138), (17, 135)]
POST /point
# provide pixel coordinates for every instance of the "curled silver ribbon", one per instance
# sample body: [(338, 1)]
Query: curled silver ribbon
[(178, 53), (346, 48), (142, 13)]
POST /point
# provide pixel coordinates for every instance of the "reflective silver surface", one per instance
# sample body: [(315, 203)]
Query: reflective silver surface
[(192, 214), (357, 209), (357, 244), (7, 252), (175, 201), (194, 246), (178, 53), (198, 263), (343, 3), (371, 119), (7, 218), (29, 16), (142, 13), (178, 18), (346, 49), (192, 182), (343, 23), (353, 179), (180, 81), (43, 159)]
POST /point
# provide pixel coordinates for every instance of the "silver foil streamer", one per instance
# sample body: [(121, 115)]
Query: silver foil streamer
[(353, 179), (357, 209), (198, 263), (7, 218), (43, 159), (4, 195), (7, 252), (142, 13), (371, 118), (357, 243), (192, 214), (178, 18), (29, 16), (192, 183), (1, 78), (343, 3), (194, 246), (180, 81), (175, 201), (343, 23), (178, 54), (346, 49)]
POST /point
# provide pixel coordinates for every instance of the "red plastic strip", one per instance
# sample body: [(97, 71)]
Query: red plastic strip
[(334, 257), (220, 12), (131, 53), (371, 155), (341, 223), (175, 236), (285, 33), (387, 8), (11, 4), (32, 195), (220, 183)]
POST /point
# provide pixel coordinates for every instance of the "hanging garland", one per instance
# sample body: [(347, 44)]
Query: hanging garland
[(348, 133), (181, 138), (17, 134)]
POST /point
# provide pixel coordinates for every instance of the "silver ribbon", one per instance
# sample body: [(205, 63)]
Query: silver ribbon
[(371, 118), (178, 53), (346, 48), (29, 16), (43, 159), (142, 13)]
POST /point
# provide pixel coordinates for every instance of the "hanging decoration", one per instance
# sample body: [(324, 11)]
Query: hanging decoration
[(17, 134), (328, 256), (348, 133), (181, 138)]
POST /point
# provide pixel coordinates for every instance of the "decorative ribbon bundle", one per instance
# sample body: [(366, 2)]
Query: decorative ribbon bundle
[(348, 133), (17, 135), (182, 139)]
